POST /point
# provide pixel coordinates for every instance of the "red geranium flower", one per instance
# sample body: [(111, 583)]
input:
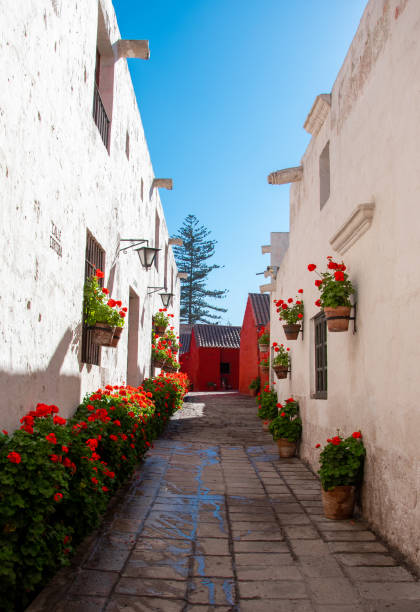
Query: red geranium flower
[(51, 438), (112, 303), (290, 300), (58, 420), (356, 434), (283, 414), (300, 290), (318, 303), (311, 267), (284, 306), (105, 290), (14, 457), (58, 497), (317, 445), (6, 433), (125, 310), (118, 303), (99, 274), (339, 275), (336, 440), (300, 315), (318, 283)]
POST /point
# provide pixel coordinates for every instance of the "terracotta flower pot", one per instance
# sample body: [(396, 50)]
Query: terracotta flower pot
[(286, 448), (264, 369), (281, 371), (266, 424), (339, 503), (264, 348), (116, 336), (291, 331), (159, 329), (102, 334), (158, 363), (337, 325)]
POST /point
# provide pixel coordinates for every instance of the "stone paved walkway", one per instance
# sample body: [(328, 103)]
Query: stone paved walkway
[(214, 520)]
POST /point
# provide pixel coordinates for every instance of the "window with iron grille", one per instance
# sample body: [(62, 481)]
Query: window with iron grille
[(321, 386), (94, 259)]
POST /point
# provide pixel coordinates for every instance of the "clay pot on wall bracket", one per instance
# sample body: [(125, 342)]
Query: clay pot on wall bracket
[(337, 325), (292, 331), (158, 363), (281, 371), (102, 334), (116, 337), (264, 348), (266, 424), (286, 448), (159, 330), (339, 503), (264, 369)]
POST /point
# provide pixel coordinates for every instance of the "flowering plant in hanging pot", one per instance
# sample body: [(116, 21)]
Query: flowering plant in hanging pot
[(336, 289), (341, 471), (161, 321), (172, 339), (103, 316), (281, 361), (265, 365), (263, 340), (291, 311), (286, 428)]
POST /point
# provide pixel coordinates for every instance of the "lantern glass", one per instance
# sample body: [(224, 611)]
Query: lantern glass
[(166, 298), (147, 256)]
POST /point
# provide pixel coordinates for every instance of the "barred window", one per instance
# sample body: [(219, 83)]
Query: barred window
[(320, 357), (94, 259)]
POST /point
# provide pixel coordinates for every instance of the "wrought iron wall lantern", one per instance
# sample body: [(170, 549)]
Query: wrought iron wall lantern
[(165, 297), (146, 253)]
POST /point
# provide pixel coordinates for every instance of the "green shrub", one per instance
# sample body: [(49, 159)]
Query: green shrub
[(288, 424)]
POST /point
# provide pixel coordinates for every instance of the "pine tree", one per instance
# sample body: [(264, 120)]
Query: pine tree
[(191, 259)]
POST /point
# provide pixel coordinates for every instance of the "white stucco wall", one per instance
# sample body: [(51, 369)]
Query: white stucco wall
[(373, 375), (54, 168)]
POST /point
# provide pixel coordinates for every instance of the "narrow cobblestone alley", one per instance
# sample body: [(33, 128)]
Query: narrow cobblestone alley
[(214, 520)]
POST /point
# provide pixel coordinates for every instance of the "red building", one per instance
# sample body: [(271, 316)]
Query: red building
[(209, 355), (257, 316)]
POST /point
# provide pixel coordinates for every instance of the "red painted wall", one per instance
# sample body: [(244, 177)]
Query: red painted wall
[(248, 353), (202, 365)]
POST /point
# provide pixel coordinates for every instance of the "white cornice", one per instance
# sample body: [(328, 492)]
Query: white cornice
[(356, 225), (131, 48), (318, 113)]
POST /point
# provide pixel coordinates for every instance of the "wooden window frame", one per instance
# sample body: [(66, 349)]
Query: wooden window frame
[(321, 360), (94, 259)]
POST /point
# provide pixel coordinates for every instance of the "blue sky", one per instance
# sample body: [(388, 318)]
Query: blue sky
[(223, 100)]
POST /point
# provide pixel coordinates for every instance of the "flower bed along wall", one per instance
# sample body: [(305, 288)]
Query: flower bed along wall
[(57, 476)]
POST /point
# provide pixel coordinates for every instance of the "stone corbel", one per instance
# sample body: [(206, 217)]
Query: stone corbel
[(138, 49), (166, 183), (175, 242), (356, 225), (266, 249), (288, 175), (267, 288), (182, 275)]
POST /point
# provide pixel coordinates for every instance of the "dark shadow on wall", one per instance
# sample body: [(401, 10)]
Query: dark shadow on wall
[(20, 392)]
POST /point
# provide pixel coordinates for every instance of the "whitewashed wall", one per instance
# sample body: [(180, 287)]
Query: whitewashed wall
[(54, 169), (373, 376)]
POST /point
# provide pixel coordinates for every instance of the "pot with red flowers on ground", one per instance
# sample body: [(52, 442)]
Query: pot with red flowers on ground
[(267, 406), (104, 317), (286, 428), (263, 340), (341, 472), (336, 289), (281, 361), (291, 311)]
